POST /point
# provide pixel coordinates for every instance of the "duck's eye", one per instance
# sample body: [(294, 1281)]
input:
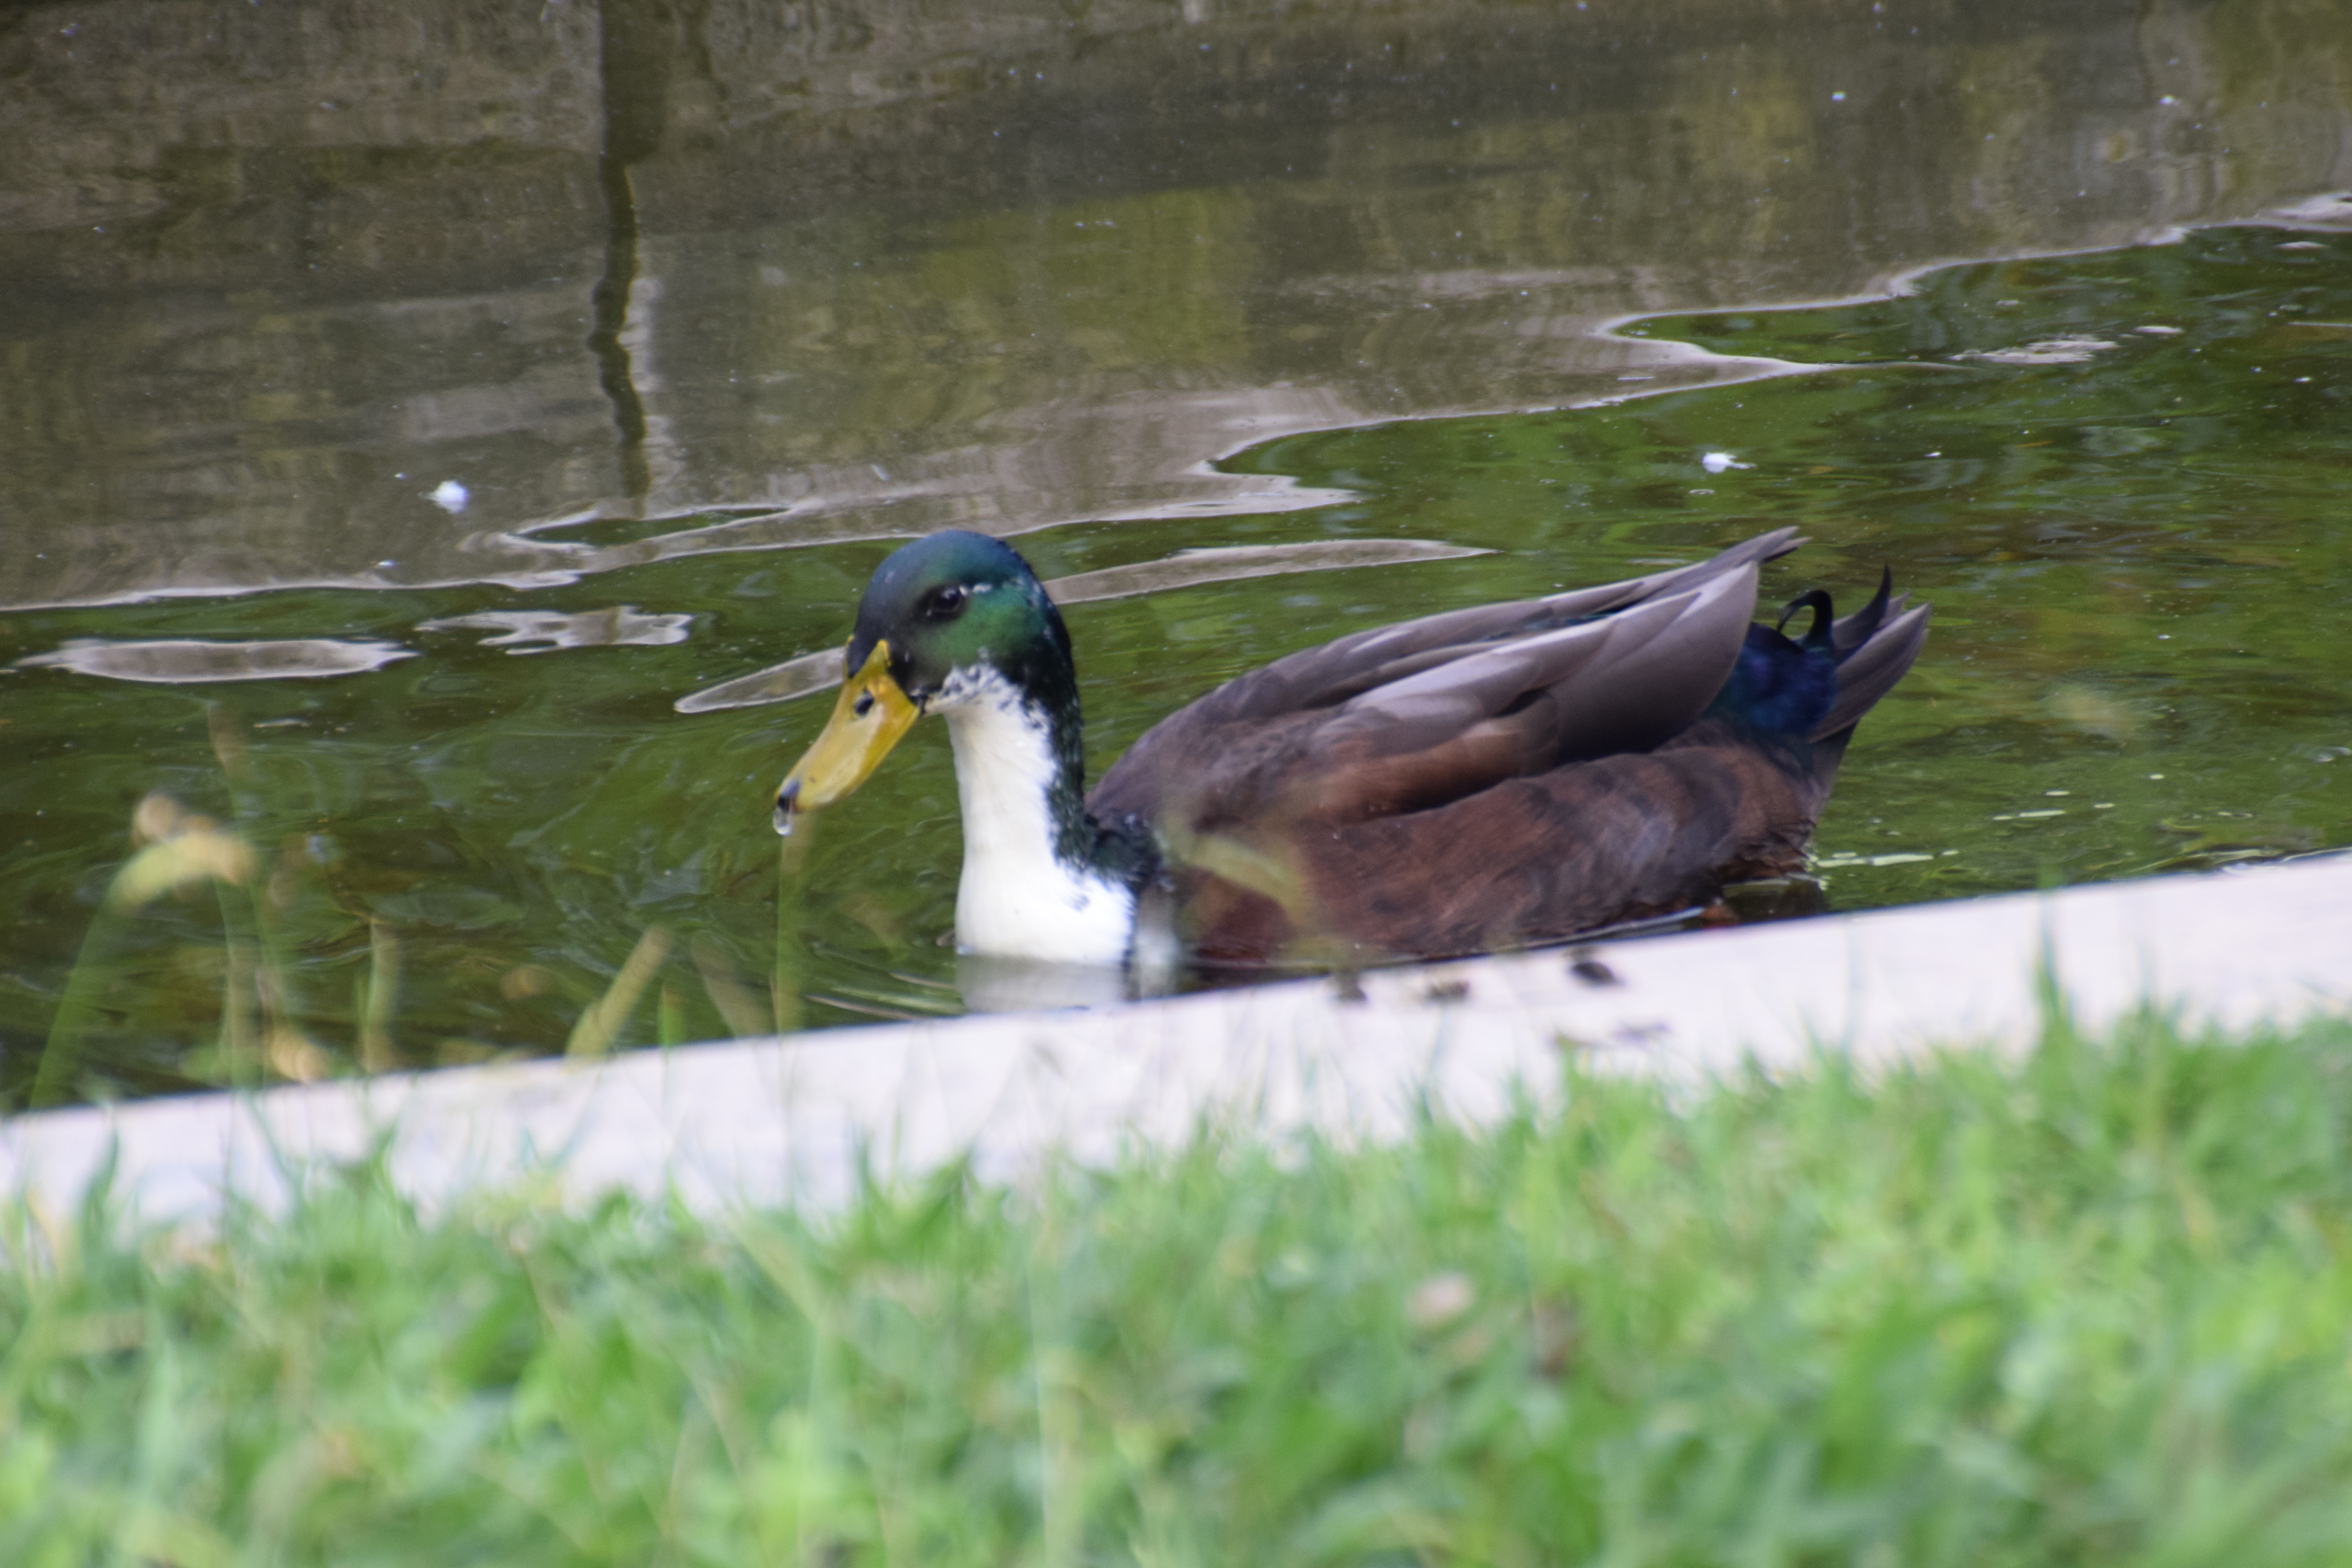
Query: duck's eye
[(944, 603), (863, 705)]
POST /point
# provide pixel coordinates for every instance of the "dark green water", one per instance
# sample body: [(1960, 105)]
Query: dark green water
[(2135, 542)]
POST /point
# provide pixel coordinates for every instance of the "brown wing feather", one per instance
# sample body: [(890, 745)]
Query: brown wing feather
[(1624, 684), (1622, 838), (1227, 752), (1498, 776)]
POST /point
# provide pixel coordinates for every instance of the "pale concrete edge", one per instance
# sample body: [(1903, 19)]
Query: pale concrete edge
[(796, 1120)]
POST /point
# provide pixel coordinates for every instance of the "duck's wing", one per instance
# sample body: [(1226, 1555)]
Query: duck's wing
[(1413, 715), (1625, 682), (1545, 856), (1322, 677)]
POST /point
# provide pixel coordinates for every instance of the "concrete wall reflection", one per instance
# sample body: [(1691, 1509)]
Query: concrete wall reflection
[(275, 274)]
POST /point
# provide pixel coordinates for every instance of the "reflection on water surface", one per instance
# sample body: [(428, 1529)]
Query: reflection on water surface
[(702, 324), (182, 661)]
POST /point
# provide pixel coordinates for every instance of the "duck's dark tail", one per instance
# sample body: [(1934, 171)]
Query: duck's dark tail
[(1872, 646), (1808, 692)]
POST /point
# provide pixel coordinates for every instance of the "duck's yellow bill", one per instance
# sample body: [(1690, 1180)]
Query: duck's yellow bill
[(867, 722)]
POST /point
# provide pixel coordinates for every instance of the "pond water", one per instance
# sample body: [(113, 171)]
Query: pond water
[(404, 489)]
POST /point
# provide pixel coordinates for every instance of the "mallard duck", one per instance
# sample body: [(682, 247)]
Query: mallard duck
[(1489, 777)]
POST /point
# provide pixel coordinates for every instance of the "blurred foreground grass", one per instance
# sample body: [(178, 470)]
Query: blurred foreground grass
[(2090, 1306)]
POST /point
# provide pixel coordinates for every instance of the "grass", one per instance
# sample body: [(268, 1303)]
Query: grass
[(2091, 1307), (263, 1036)]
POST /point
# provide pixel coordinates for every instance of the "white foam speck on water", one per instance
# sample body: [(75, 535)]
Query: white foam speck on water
[(1843, 861), (2045, 350)]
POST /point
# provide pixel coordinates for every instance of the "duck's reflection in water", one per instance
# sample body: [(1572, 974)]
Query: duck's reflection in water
[(993, 982)]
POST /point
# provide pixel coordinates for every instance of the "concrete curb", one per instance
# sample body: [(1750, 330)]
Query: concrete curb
[(790, 1120)]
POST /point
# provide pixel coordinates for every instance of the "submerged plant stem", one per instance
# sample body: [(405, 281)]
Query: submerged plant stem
[(240, 1038), (738, 1001), (377, 1053), (792, 865), (598, 1027), (76, 1011)]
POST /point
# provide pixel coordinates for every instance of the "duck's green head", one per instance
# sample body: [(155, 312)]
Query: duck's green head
[(951, 602)]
